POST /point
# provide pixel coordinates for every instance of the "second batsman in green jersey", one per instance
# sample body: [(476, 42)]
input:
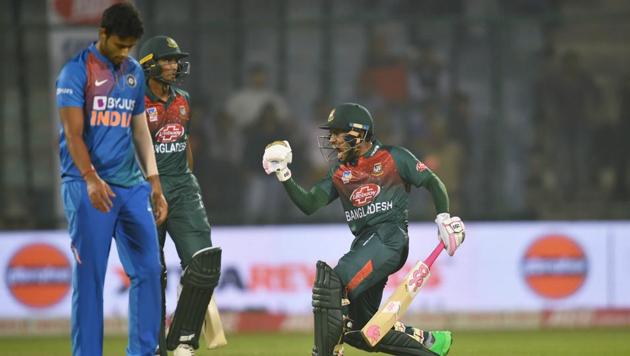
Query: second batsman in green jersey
[(168, 115), (372, 181)]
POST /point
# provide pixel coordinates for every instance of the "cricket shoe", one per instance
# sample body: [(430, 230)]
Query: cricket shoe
[(184, 350), (442, 341), (412, 332)]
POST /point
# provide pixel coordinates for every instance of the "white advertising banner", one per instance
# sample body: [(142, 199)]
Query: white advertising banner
[(501, 267)]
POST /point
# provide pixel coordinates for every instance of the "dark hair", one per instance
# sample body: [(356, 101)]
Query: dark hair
[(123, 20)]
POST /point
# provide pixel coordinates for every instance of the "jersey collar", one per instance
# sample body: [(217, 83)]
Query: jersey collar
[(375, 146), (369, 153), (155, 98), (101, 57)]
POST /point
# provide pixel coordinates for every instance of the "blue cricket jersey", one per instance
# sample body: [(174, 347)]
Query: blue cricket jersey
[(109, 97)]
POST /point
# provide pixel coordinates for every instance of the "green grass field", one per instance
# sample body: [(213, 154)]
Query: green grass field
[(488, 343)]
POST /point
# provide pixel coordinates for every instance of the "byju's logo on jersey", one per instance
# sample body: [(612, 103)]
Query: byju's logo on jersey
[(364, 194), (108, 111), (99, 103), (170, 133), (102, 102)]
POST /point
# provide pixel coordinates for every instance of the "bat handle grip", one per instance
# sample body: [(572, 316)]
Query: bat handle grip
[(434, 254)]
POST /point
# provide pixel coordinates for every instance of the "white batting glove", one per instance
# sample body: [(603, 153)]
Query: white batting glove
[(451, 231), (277, 157)]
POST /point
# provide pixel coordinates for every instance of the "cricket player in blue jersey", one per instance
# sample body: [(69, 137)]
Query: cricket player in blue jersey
[(100, 96)]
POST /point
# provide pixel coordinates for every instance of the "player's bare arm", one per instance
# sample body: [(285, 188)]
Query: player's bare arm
[(99, 192), (144, 147), (189, 155)]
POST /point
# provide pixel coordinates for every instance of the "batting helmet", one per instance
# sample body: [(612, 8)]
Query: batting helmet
[(349, 116), (161, 47)]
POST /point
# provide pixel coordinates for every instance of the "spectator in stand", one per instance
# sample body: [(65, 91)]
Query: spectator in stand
[(428, 71), (384, 82), (247, 104), (225, 146), (569, 104), (263, 199)]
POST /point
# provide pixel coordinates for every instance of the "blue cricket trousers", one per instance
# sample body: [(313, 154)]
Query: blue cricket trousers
[(131, 223)]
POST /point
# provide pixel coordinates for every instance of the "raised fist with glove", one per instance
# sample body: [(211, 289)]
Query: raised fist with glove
[(276, 158), (451, 231)]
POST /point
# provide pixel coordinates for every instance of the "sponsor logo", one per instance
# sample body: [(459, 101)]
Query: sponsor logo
[(364, 194), (39, 275), (185, 338), (152, 113), (374, 333), (392, 307), (170, 133), (131, 80), (106, 111), (420, 167), (64, 91), (171, 43), (346, 176), (555, 266), (98, 83), (377, 170), (370, 209), (417, 277), (101, 102), (182, 110), (400, 277)]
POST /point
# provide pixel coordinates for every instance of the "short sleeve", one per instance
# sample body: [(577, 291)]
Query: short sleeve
[(411, 169), (139, 106), (70, 86)]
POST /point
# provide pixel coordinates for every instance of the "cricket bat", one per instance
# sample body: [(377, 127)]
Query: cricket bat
[(399, 301), (212, 327)]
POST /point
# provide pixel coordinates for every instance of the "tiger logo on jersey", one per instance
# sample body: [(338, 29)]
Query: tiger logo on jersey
[(377, 170)]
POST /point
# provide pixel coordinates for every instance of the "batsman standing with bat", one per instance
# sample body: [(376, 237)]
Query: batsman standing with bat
[(168, 116), (100, 96), (372, 181)]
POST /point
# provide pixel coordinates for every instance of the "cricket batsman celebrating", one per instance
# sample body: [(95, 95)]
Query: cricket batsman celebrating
[(168, 116), (372, 181)]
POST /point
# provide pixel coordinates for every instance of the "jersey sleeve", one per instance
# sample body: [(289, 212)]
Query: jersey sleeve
[(71, 85), (327, 188), (320, 195), (139, 106), (411, 169)]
